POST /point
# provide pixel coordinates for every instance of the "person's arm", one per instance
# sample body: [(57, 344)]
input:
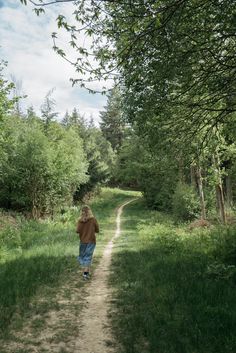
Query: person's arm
[(78, 228), (96, 226)]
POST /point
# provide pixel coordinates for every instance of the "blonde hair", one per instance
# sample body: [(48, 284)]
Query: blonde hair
[(85, 213)]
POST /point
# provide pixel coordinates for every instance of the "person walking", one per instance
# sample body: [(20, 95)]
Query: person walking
[(87, 226)]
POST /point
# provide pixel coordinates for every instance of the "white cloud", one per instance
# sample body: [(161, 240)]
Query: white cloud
[(27, 46)]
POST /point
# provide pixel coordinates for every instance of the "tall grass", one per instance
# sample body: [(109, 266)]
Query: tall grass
[(36, 255), (175, 289)]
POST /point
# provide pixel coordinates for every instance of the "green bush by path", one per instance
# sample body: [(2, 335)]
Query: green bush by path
[(175, 290), (185, 202), (36, 255)]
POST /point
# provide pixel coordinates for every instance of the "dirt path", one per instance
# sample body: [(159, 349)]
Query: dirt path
[(95, 334)]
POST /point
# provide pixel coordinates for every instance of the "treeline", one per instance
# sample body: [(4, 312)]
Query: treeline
[(189, 185), (172, 123), (174, 62), (46, 165), (176, 67), (171, 118), (190, 180)]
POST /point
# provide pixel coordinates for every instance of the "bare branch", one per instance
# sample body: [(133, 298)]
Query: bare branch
[(49, 3)]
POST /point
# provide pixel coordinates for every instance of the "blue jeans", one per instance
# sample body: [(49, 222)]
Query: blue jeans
[(86, 254)]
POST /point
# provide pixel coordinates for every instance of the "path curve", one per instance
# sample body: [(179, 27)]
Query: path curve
[(95, 333)]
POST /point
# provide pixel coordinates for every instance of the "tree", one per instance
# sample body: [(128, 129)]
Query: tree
[(31, 114), (6, 104), (65, 120), (77, 121), (17, 93), (47, 109), (39, 171), (100, 157), (129, 162), (112, 122), (99, 154)]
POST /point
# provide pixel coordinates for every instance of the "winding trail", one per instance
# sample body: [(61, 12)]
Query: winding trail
[(95, 333)]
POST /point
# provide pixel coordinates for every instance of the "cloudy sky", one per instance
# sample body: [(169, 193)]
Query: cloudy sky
[(26, 44)]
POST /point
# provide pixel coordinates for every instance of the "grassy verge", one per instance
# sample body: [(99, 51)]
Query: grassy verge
[(37, 258), (174, 289)]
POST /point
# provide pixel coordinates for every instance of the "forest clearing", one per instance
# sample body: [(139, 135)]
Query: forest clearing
[(118, 115)]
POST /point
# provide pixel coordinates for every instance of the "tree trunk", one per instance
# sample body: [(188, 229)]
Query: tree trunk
[(35, 211), (201, 192), (219, 189), (181, 170), (193, 176), (221, 203), (229, 191), (35, 205)]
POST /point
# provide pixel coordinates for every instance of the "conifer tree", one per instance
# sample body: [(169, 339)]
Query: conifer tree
[(112, 123), (48, 109)]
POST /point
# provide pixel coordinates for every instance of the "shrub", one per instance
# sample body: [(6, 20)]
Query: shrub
[(185, 202)]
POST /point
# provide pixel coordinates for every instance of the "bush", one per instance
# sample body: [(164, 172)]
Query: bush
[(10, 238), (185, 202)]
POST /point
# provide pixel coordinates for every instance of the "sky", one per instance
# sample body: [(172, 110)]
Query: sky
[(26, 44)]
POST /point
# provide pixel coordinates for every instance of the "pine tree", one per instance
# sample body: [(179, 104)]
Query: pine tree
[(31, 113), (112, 123), (47, 109), (65, 120)]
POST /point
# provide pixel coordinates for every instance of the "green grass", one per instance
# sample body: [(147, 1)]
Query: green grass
[(174, 290), (37, 258)]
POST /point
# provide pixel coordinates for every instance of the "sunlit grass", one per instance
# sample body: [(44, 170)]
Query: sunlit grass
[(174, 289), (40, 255)]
